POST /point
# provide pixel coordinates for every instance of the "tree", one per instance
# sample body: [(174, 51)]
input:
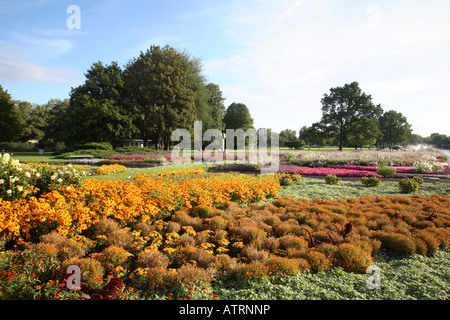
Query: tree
[(161, 94), (345, 111), (97, 110), (215, 102), (366, 133), (394, 128), (437, 139), (312, 135), (11, 122), (288, 138), (237, 116), (35, 118), (57, 129)]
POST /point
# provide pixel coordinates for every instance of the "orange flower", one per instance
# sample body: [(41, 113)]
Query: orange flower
[(37, 287), (191, 289)]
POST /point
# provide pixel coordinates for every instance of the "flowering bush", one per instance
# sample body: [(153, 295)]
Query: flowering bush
[(21, 181), (427, 164), (110, 169), (410, 185)]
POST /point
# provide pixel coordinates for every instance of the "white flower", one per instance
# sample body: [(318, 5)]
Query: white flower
[(53, 177), (5, 158), (8, 192), (27, 174), (19, 188), (2, 181), (59, 180), (38, 174)]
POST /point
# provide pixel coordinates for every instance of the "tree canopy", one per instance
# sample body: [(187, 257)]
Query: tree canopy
[(347, 109)]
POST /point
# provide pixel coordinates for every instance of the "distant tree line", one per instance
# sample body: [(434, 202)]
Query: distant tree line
[(164, 89), (161, 90)]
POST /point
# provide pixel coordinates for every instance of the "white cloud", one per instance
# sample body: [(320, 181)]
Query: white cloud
[(48, 47), (14, 68)]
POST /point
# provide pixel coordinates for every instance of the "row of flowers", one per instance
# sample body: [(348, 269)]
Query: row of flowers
[(324, 171), (72, 210), (365, 158)]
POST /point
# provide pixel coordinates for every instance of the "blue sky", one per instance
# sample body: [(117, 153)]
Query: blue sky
[(278, 57)]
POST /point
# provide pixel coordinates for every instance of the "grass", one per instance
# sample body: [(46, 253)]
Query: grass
[(414, 277), (35, 157), (311, 188)]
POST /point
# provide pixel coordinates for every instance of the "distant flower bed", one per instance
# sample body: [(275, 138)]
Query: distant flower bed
[(366, 158), (107, 169), (324, 171)]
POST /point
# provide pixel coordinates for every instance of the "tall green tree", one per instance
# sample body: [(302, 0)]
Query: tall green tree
[(366, 133), (287, 138), (35, 118), (394, 128), (160, 93), (237, 116), (312, 135), (11, 122), (97, 110), (57, 129), (216, 105), (345, 110)]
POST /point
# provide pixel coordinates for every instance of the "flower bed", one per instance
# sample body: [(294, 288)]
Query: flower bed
[(189, 249), (19, 180), (366, 157), (108, 169), (324, 171), (72, 210)]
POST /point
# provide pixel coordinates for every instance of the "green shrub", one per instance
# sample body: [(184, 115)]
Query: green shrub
[(399, 243), (353, 258), (410, 185), (332, 179), (370, 181), (137, 150), (96, 146), (386, 171)]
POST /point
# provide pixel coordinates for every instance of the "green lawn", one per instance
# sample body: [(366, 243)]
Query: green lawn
[(317, 188), (35, 157)]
